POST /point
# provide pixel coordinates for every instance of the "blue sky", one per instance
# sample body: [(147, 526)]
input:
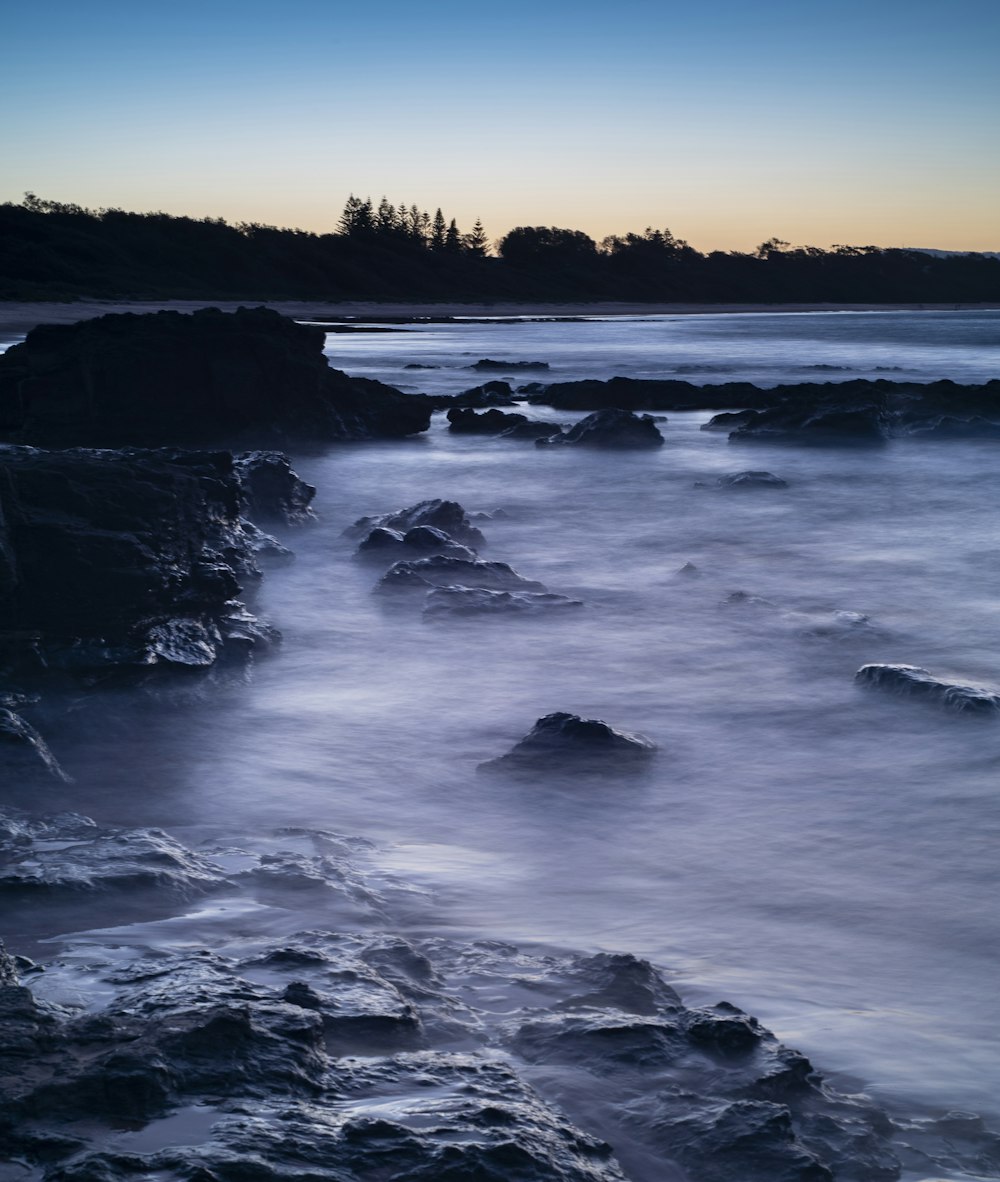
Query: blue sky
[(728, 122)]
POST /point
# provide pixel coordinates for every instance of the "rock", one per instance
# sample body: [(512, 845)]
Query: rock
[(612, 429), (567, 741), (488, 363), (251, 377), (647, 394), (688, 571), (447, 516), (490, 422), (24, 754), (477, 601), (424, 573), (953, 427), (271, 490), (823, 425), (911, 681), (69, 852), (728, 420), (152, 544), (750, 479), (421, 539), (532, 429)]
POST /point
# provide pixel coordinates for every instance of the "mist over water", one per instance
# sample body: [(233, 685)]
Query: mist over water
[(822, 855)]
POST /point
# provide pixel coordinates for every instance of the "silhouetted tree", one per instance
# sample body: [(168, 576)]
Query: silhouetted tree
[(529, 246), (438, 231), (452, 238), (476, 242)]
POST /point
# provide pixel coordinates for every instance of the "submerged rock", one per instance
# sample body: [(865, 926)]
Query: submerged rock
[(567, 741), (824, 425), (610, 428), (750, 479), (447, 516), (487, 363), (911, 681), (250, 377), (24, 754), (443, 571), (478, 601)]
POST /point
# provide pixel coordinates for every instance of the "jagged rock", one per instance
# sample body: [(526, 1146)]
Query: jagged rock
[(532, 429), (750, 479), (152, 545), (646, 394), (566, 740), (476, 601), (490, 422), (24, 754), (911, 681), (688, 571), (443, 571), (447, 516), (71, 852), (271, 490), (953, 427), (251, 377), (610, 428), (427, 540)]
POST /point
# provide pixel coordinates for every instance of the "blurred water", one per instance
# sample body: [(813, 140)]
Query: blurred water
[(823, 856)]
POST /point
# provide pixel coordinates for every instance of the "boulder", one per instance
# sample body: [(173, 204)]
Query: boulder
[(567, 741), (209, 378), (447, 516), (611, 429), (822, 426), (490, 422), (728, 420), (911, 681), (646, 394), (749, 479), (532, 429), (488, 363)]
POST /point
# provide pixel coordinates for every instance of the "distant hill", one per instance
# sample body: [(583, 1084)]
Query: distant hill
[(950, 254)]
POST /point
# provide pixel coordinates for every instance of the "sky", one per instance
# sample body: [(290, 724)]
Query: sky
[(815, 121)]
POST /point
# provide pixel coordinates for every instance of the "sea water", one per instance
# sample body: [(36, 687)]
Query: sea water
[(821, 855)]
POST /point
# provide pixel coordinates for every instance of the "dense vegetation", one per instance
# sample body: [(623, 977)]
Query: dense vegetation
[(51, 250)]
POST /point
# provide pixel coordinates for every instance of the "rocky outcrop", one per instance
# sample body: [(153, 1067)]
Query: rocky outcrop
[(490, 422), (447, 516), (251, 378), (609, 429), (270, 490), (566, 741), (646, 394), (913, 682), (748, 479), (24, 755), (488, 363), (151, 543), (824, 425)]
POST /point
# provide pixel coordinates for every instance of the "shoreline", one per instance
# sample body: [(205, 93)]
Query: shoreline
[(20, 316)]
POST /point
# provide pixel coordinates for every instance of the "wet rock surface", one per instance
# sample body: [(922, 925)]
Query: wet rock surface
[(479, 601), (447, 516), (271, 490), (392, 545), (610, 429), (748, 479), (578, 744), (208, 378), (489, 422), (913, 682), (358, 1056), (423, 573)]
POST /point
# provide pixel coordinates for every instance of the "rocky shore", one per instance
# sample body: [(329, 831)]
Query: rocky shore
[(132, 536)]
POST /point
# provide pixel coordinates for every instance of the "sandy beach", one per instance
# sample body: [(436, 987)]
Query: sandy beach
[(18, 317)]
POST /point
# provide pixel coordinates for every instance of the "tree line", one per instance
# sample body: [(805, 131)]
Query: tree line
[(55, 250)]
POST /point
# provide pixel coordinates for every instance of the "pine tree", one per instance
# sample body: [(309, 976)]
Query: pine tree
[(452, 238), (438, 231), (476, 241), (348, 223)]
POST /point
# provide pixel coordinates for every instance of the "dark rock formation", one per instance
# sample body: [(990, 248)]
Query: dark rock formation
[(271, 490), (391, 544), (952, 427), (611, 429), (152, 545), (824, 425), (478, 601), (532, 429), (447, 516), (647, 394), (490, 422), (487, 363), (749, 479), (211, 378), (911, 681), (568, 741), (424, 573), (728, 420), (494, 393)]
